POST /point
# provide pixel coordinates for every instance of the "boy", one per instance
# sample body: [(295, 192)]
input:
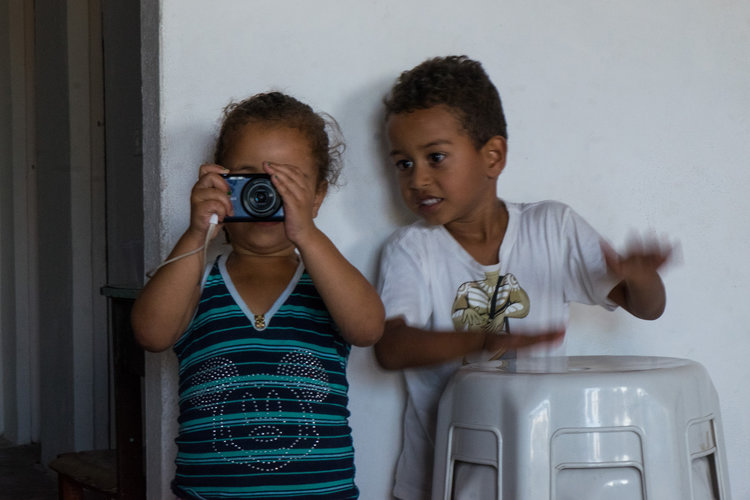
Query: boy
[(476, 266)]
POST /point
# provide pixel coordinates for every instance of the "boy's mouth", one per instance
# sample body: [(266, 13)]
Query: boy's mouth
[(428, 202)]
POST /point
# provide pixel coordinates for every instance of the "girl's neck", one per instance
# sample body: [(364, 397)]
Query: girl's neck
[(255, 261), (261, 279)]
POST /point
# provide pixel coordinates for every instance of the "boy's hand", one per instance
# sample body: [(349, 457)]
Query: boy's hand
[(500, 343), (209, 196), (643, 258), (640, 290), (301, 199)]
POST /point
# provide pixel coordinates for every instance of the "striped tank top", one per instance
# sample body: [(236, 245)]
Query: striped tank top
[(263, 400)]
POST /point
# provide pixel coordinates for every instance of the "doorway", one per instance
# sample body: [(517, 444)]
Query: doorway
[(72, 220)]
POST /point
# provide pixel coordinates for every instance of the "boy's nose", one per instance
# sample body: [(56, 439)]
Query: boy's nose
[(420, 176)]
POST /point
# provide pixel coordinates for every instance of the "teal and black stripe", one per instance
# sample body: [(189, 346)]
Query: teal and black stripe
[(263, 414)]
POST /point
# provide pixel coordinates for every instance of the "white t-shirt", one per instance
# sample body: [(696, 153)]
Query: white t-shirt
[(549, 257)]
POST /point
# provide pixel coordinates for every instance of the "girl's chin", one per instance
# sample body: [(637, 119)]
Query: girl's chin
[(267, 223)]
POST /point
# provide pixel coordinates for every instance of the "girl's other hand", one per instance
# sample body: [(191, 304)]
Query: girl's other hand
[(210, 195), (302, 198)]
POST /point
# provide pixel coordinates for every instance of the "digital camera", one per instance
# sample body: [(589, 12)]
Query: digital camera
[(254, 198)]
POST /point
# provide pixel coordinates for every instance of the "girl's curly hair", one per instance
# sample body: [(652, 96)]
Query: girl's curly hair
[(276, 108)]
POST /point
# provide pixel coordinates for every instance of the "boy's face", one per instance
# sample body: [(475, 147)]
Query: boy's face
[(443, 177)]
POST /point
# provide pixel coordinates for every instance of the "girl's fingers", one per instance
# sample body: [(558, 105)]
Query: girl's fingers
[(212, 181), (290, 175), (204, 208), (208, 168), (215, 197), (202, 193), (291, 182), (210, 178)]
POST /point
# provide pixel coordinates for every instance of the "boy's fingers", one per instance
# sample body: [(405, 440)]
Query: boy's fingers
[(544, 338), (514, 341), (611, 258)]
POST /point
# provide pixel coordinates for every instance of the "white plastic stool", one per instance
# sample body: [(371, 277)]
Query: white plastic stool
[(580, 428)]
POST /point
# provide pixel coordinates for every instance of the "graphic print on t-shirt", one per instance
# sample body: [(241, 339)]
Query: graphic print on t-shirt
[(487, 304)]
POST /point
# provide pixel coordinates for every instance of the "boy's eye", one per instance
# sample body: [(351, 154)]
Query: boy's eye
[(436, 157), (402, 165)]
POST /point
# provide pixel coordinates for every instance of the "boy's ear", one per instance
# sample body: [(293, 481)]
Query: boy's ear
[(320, 195), (495, 151)]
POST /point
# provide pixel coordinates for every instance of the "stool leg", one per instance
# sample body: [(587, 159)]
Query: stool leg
[(67, 489)]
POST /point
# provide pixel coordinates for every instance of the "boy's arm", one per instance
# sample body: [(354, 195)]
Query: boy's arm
[(403, 346), (646, 300), (640, 290)]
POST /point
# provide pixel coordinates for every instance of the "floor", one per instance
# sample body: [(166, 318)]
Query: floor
[(22, 476)]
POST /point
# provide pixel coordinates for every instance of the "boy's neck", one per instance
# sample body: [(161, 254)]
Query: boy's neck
[(482, 237)]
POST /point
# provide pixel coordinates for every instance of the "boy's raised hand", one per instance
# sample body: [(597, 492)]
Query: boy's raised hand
[(640, 290), (642, 259)]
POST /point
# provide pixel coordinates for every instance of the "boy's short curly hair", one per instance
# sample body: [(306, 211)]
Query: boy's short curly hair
[(276, 108), (457, 82)]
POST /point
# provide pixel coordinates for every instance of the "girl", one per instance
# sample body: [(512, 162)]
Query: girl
[(263, 342)]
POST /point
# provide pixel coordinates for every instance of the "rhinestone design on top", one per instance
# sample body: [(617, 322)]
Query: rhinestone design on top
[(267, 441)]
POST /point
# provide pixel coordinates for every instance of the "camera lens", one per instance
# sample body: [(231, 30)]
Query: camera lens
[(260, 199)]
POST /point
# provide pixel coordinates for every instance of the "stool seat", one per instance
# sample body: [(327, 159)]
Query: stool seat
[(580, 428), (91, 470)]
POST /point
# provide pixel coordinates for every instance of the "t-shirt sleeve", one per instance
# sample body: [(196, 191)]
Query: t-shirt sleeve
[(589, 281), (401, 276)]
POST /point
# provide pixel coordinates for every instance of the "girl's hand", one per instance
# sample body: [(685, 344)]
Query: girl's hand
[(209, 196), (356, 307), (302, 199)]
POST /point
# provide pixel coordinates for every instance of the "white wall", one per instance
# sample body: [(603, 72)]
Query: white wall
[(635, 113)]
